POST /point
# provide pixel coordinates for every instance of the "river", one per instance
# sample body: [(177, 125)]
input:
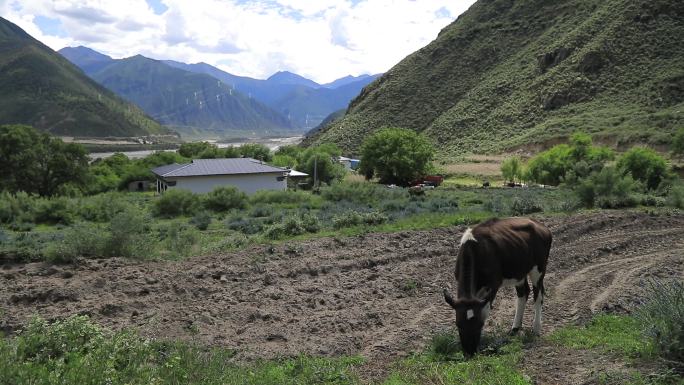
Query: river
[(271, 143)]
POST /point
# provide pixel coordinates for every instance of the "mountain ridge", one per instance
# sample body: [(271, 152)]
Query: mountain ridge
[(41, 88)]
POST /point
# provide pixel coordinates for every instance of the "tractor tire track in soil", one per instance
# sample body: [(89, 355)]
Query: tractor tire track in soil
[(377, 295)]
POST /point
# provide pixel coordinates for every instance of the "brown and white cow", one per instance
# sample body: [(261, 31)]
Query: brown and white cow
[(496, 253)]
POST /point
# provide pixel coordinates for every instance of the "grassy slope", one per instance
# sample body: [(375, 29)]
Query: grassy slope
[(173, 96), (41, 88), (480, 87)]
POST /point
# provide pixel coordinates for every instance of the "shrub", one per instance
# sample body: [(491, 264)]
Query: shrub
[(662, 318), (175, 202), (225, 198), (201, 220), (310, 222), (103, 207), (675, 198), (293, 225), (54, 210), (256, 151), (178, 240), (127, 235), (644, 165), (524, 205), (245, 225), (278, 196), (80, 240), (361, 192), (678, 142), (512, 169), (607, 189), (355, 218), (261, 211)]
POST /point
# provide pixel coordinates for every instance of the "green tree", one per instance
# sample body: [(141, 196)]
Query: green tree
[(645, 165), (256, 151), (396, 155), (512, 169), (320, 162), (36, 162), (194, 149), (225, 198), (568, 162)]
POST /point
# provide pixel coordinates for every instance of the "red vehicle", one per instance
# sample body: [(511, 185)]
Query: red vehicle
[(429, 180)]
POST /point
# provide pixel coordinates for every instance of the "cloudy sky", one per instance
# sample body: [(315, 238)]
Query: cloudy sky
[(320, 39)]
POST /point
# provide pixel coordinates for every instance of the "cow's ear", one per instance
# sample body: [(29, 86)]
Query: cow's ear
[(450, 300)]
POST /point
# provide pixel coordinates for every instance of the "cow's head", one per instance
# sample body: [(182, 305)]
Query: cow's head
[(471, 313)]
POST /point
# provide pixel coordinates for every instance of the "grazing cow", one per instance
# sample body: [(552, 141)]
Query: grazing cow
[(496, 253)]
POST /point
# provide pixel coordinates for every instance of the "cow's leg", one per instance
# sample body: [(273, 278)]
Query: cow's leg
[(523, 291), (537, 278)]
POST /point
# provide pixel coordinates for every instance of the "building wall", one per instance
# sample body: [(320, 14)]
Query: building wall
[(249, 183)]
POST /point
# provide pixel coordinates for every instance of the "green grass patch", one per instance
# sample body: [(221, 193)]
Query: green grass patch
[(76, 351), (610, 333), (444, 364)]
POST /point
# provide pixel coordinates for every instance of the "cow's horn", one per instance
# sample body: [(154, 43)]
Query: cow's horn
[(449, 299)]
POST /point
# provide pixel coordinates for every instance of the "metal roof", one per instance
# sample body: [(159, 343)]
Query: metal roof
[(200, 167)]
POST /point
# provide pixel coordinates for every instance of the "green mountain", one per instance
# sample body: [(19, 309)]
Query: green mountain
[(89, 60), (39, 87), (509, 74), (187, 100)]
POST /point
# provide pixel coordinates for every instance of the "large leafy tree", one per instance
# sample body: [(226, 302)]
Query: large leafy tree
[(644, 165), (396, 155), (37, 162)]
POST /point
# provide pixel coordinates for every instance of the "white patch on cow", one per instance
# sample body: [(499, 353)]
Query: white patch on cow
[(537, 315), (485, 311), (468, 236), (534, 274), (519, 310), (512, 282), (470, 314)]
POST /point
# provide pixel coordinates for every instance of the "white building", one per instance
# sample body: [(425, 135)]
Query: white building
[(203, 175)]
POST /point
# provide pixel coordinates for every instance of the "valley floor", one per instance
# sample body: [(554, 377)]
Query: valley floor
[(376, 295)]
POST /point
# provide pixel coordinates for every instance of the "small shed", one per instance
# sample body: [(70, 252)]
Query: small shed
[(203, 175), (349, 163)]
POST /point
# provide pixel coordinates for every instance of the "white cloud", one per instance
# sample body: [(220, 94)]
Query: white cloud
[(321, 39)]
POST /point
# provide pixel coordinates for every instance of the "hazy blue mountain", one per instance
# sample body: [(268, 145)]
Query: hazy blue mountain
[(350, 79), (89, 60), (286, 77), (305, 106), (39, 87), (185, 99)]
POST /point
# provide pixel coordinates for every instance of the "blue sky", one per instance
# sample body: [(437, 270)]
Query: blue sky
[(320, 39)]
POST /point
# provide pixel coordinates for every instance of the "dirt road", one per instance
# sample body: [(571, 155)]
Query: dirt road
[(377, 295)]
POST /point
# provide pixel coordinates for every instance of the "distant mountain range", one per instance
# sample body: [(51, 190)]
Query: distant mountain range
[(39, 87), (283, 101)]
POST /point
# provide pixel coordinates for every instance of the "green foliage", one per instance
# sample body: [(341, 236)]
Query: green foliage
[(396, 156), (525, 205), (282, 197), (355, 218), (661, 317), (293, 225), (318, 162), (77, 351), (644, 165), (176, 202), (607, 188), (36, 162), (256, 151), (568, 163), (225, 198), (178, 240), (675, 198), (361, 192), (194, 149), (201, 220), (678, 143), (512, 169)]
